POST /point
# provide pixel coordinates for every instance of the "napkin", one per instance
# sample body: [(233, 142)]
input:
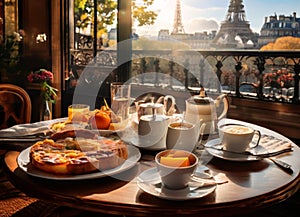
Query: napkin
[(28, 129), (269, 144)]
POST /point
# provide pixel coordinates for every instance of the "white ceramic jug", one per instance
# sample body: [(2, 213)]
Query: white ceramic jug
[(152, 131), (165, 105), (149, 108), (169, 104)]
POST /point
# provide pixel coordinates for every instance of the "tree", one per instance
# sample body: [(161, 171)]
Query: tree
[(142, 14), (106, 13), (283, 43), (84, 13)]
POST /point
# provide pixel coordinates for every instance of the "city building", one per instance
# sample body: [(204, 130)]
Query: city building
[(198, 40), (279, 26), (234, 33)]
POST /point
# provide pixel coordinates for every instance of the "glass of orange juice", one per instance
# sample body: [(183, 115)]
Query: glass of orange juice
[(76, 110)]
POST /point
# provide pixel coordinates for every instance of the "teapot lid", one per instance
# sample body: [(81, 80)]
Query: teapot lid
[(200, 99), (155, 117), (151, 105)]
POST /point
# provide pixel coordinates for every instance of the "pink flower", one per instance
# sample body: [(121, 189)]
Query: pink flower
[(279, 78), (45, 78), (40, 76)]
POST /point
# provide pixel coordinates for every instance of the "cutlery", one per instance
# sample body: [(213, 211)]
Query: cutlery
[(20, 139), (281, 164), (25, 138), (193, 185), (247, 153), (207, 182)]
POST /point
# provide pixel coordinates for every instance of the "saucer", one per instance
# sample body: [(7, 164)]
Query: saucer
[(134, 140), (211, 148), (149, 181)]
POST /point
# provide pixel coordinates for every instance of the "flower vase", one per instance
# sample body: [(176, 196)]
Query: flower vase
[(46, 113)]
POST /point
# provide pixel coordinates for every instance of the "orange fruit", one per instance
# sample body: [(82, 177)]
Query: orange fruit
[(175, 161), (101, 120)]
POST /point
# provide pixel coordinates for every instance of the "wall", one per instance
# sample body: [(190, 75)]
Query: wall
[(35, 19)]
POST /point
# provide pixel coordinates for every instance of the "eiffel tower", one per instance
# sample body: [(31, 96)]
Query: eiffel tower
[(178, 26), (234, 27)]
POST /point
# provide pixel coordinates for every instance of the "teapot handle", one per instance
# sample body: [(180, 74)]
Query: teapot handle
[(172, 108), (160, 100), (200, 127), (225, 101)]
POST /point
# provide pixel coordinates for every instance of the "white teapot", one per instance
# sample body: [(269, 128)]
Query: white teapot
[(203, 108), (165, 105)]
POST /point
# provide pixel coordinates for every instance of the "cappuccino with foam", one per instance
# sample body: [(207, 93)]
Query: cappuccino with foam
[(237, 138), (237, 129)]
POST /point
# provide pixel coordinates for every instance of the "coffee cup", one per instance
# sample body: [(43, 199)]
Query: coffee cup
[(182, 135), (238, 138), (175, 167)]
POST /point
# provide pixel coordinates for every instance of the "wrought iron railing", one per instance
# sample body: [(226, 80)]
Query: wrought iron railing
[(240, 73)]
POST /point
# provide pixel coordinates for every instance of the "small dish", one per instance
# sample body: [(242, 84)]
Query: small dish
[(149, 181), (211, 148)]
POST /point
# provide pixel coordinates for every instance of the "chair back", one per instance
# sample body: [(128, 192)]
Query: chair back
[(15, 106)]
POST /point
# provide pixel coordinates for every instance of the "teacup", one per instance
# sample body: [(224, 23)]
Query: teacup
[(238, 138), (182, 135), (175, 167)]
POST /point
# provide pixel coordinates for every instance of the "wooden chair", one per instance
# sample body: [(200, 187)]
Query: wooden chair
[(15, 106)]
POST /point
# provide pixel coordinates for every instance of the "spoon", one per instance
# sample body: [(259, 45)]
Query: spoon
[(199, 178)]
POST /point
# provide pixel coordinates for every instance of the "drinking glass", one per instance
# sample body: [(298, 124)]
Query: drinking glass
[(77, 111), (120, 99)]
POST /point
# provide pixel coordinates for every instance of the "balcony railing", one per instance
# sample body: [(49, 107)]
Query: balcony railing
[(262, 75)]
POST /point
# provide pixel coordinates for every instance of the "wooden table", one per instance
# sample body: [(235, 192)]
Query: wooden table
[(252, 185)]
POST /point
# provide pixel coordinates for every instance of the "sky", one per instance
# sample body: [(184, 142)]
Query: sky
[(207, 15)]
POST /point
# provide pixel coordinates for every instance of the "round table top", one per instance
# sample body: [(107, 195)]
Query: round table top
[(251, 185)]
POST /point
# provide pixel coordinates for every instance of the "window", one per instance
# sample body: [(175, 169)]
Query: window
[(95, 27), (93, 36), (8, 17)]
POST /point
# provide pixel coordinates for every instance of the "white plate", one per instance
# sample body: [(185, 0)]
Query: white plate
[(83, 125), (135, 142), (227, 155), (150, 182), (130, 136), (24, 163), (107, 132)]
